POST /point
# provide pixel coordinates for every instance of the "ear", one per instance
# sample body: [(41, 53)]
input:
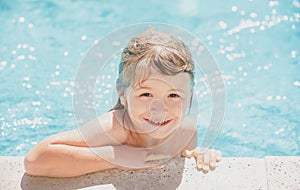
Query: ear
[(123, 100)]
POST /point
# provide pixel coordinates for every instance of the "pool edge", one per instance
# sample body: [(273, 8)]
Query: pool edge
[(271, 172)]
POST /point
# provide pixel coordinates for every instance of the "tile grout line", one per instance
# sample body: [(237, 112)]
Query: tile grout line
[(266, 173)]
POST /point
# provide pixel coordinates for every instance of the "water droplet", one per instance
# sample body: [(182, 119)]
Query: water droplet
[(266, 67), (293, 53), (30, 25), (31, 49), (209, 37), (21, 19), (273, 3), (222, 25), (83, 37), (36, 103), (3, 63), (21, 57), (269, 98), (253, 15), (262, 28), (293, 26), (26, 78), (281, 130), (234, 8), (297, 83)]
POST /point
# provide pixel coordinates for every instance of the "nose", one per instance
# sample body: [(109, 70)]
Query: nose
[(157, 110), (157, 106)]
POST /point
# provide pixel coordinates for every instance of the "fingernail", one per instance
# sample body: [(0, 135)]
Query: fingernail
[(205, 167), (213, 164), (199, 166)]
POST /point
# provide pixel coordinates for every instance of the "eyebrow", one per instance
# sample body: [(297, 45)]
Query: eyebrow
[(145, 87), (180, 90)]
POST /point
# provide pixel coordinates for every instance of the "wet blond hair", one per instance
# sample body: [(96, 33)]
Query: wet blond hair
[(150, 50)]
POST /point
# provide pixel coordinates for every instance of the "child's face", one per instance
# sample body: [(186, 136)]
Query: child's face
[(158, 105)]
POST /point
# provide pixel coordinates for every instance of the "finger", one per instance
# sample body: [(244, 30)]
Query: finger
[(199, 161), (206, 159), (213, 156), (199, 150), (187, 153), (218, 156)]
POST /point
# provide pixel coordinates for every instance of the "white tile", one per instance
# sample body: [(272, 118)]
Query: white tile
[(231, 173), (283, 172)]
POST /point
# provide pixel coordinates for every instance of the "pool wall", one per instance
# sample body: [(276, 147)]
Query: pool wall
[(268, 173)]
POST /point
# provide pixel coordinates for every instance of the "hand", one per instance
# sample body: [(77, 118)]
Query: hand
[(205, 158)]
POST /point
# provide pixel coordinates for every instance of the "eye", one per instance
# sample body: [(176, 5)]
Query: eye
[(173, 95), (146, 95)]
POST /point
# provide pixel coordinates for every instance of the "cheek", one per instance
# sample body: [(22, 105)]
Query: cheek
[(137, 106), (178, 108), (175, 107)]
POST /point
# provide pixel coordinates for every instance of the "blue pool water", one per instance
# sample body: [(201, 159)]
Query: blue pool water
[(255, 43)]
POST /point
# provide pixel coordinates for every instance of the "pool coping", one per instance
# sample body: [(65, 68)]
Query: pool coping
[(268, 173)]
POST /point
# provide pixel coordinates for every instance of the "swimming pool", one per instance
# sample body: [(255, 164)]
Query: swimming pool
[(255, 43)]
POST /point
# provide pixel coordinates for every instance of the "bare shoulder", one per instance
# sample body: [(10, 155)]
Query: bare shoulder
[(104, 130), (187, 133), (184, 137), (117, 129), (188, 124)]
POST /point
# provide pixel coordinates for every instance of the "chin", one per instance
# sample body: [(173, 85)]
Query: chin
[(163, 132)]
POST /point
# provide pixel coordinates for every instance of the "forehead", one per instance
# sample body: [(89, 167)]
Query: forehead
[(179, 81)]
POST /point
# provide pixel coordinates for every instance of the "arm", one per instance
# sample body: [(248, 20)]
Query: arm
[(64, 154), (60, 160), (205, 158)]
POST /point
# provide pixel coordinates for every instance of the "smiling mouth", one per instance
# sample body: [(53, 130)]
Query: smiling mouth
[(159, 124)]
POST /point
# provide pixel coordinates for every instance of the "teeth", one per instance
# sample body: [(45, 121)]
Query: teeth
[(158, 123)]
